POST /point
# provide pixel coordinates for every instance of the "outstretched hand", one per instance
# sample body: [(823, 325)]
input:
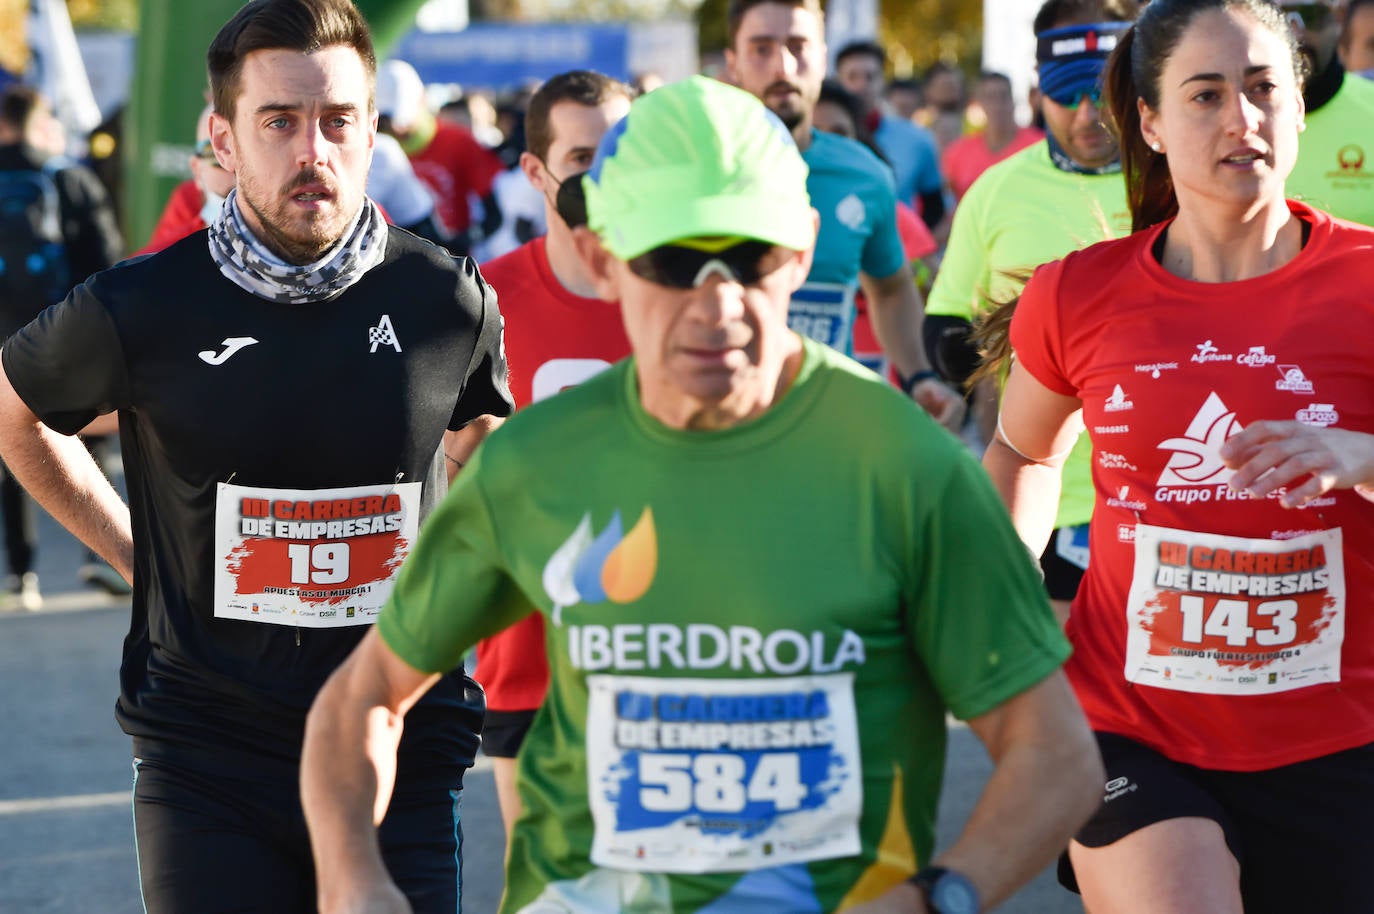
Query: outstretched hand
[(945, 404), (1269, 455)]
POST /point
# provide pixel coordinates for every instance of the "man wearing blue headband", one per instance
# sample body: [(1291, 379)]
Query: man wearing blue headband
[(1041, 203)]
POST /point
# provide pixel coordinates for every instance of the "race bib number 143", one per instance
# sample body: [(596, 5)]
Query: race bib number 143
[(1232, 616)]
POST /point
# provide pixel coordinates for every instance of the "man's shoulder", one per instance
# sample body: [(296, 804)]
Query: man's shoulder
[(1102, 262), (1017, 167), (838, 162), (889, 430), (1355, 92), (410, 251), (902, 129), (514, 265), (547, 428)]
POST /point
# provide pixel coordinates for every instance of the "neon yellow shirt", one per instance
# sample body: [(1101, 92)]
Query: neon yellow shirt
[(1335, 168), (1020, 213)]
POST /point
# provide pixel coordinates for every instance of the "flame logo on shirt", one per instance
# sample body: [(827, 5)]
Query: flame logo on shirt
[(611, 565)]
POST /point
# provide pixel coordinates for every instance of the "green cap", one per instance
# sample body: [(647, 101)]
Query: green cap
[(697, 158)]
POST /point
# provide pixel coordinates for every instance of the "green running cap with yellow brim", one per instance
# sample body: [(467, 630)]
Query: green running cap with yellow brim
[(697, 159)]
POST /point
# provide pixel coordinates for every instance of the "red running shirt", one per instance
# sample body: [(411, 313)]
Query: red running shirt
[(453, 165), (968, 157), (1222, 631), (554, 340), (180, 217)]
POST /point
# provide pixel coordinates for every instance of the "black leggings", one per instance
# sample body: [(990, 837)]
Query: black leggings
[(236, 843)]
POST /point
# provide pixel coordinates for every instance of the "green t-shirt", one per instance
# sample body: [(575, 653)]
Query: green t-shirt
[(1335, 167), (1020, 213), (753, 637)]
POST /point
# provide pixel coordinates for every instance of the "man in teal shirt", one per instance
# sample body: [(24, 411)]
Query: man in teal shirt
[(764, 577), (777, 53)]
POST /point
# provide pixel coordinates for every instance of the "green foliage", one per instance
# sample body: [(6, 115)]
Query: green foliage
[(917, 33)]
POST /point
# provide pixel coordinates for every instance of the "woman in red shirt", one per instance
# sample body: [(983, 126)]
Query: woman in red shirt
[(1218, 358)]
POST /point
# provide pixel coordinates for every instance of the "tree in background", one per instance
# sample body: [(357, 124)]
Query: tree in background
[(916, 33)]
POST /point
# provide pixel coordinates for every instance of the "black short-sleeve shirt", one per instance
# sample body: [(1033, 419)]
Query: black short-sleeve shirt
[(214, 384)]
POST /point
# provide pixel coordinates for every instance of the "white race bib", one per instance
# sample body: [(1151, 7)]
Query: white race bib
[(1226, 615), (824, 312), (712, 775), (314, 558)]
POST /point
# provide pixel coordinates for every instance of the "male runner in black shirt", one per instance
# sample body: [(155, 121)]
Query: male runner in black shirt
[(290, 385)]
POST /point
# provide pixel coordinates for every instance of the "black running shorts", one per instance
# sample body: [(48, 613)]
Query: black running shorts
[(1303, 834), (1063, 574)]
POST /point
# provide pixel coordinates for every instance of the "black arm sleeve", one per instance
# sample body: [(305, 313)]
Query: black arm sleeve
[(486, 390), (950, 347), (932, 207)]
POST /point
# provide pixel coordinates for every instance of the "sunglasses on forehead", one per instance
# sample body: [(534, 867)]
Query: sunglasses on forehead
[(680, 266), (206, 153)]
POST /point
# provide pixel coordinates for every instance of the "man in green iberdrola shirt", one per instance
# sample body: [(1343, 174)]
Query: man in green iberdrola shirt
[(767, 577)]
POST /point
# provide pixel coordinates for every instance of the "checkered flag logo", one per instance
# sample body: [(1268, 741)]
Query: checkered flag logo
[(383, 335)]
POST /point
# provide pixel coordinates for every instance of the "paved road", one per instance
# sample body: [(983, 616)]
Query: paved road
[(66, 839)]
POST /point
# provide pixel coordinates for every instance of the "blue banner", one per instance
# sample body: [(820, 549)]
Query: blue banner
[(498, 54)]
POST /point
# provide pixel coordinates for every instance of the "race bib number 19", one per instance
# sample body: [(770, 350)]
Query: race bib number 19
[(700, 776), (1231, 616), (315, 558)]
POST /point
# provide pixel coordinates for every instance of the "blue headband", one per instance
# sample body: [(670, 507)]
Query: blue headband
[(1072, 58)]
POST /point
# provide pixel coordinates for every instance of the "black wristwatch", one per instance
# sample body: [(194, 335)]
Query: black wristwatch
[(946, 891), (908, 382)]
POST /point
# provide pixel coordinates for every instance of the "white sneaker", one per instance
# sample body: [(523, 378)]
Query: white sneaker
[(21, 592)]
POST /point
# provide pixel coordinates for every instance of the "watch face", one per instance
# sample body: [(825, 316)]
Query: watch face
[(953, 894)]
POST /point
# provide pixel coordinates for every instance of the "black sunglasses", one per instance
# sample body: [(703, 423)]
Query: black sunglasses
[(681, 267)]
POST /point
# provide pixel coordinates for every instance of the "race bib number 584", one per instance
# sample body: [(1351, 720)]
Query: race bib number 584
[(699, 776), (316, 558), (1232, 616)]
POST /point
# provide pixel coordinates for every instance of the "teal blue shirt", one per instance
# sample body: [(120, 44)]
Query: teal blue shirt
[(853, 190)]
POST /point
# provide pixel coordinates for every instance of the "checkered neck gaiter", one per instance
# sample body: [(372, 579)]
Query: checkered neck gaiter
[(245, 261)]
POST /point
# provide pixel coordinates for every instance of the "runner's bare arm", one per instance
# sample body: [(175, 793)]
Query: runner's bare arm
[(894, 304), (460, 445), (1045, 783), (61, 475), (1269, 455), (348, 769), (1025, 458)]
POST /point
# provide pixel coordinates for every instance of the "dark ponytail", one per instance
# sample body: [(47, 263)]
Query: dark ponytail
[(1149, 188)]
